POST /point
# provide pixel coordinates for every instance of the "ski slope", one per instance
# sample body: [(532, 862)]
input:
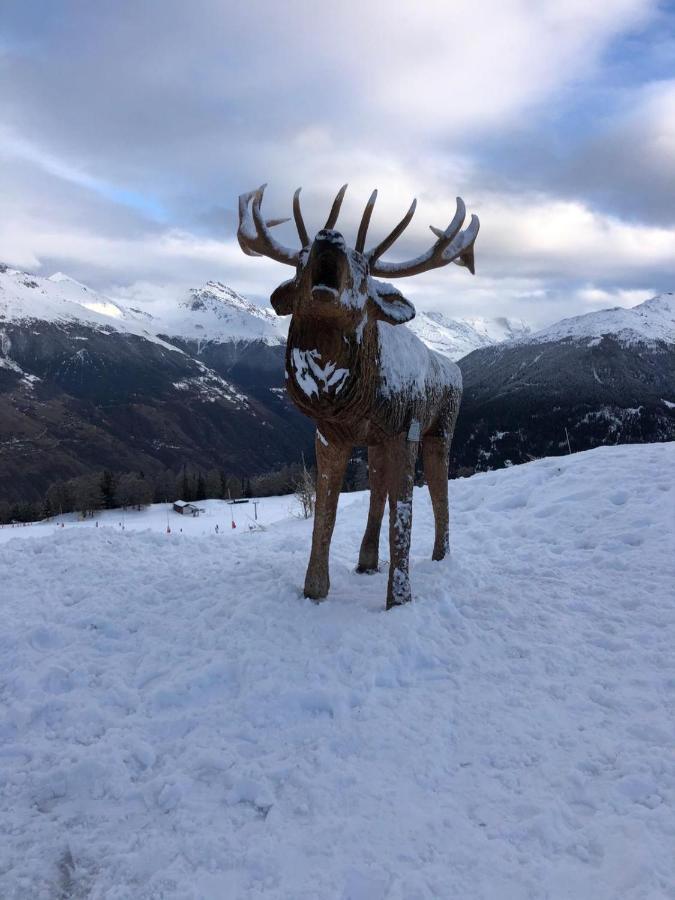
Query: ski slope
[(178, 722), (217, 517)]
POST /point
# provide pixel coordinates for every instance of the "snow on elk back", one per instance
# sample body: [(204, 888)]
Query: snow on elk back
[(354, 368)]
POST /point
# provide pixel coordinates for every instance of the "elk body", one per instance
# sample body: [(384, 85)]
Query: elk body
[(364, 378)]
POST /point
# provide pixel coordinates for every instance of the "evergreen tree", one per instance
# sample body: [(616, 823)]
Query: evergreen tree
[(214, 489), (108, 489), (200, 489)]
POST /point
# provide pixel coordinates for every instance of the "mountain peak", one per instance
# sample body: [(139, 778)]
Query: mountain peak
[(649, 322), (215, 312), (456, 338)]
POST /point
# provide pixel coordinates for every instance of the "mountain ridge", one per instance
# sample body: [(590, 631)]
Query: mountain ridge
[(212, 313), (651, 321)]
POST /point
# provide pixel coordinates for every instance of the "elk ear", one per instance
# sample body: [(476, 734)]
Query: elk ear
[(389, 304), (282, 297)]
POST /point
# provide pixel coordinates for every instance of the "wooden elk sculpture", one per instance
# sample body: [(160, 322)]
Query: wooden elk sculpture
[(365, 379)]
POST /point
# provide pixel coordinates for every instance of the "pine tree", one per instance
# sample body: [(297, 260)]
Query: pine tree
[(200, 489), (185, 485), (108, 489)]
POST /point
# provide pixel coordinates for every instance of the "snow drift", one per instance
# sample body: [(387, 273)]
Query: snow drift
[(178, 722)]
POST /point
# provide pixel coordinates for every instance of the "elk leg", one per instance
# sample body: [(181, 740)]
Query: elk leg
[(401, 473), (435, 454), (377, 478), (331, 461)]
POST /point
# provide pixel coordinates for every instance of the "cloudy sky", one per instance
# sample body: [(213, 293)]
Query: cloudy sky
[(127, 131)]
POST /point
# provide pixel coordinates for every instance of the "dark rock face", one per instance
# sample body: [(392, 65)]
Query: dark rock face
[(523, 401), (75, 399)]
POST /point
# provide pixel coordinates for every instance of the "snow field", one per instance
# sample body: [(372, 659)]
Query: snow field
[(178, 722), (160, 515)]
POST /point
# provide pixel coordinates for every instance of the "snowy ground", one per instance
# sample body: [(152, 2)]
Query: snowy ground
[(178, 722), (217, 514)]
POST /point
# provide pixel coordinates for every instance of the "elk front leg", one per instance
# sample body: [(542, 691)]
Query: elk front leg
[(435, 454), (377, 478), (402, 455), (331, 461)]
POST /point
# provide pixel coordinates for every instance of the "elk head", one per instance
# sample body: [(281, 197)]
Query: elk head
[(338, 283)]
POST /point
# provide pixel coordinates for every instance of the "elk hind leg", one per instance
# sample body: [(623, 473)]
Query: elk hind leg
[(435, 455), (377, 478)]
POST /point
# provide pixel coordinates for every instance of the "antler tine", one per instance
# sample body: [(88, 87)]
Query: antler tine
[(272, 222), (452, 245), (466, 256), (299, 221), (253, 232), (457, 220), (335, 208), (365, 222), (384, 245)]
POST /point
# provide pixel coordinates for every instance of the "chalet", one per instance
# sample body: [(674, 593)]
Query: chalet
[(186, 509)]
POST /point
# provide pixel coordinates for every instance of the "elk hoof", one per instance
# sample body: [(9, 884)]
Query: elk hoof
[(398, 593), (316, 588), (393, 602), (368, 566)]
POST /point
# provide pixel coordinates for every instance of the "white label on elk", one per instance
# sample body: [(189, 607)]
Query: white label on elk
[(414, 431)]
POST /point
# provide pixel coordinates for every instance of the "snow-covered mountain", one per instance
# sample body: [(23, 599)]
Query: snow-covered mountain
[(455, 338), (88, 383), (215, 313), (200, 377), (647, 323), (25, 298), (604, 377)]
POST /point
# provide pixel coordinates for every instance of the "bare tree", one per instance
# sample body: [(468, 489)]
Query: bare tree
[(132, 490), (305, 491), (88, 496)]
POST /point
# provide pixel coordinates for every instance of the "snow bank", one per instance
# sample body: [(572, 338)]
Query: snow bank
[(177, 722)]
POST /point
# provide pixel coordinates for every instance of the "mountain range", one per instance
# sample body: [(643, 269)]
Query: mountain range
[(607, 377), (89, 382)]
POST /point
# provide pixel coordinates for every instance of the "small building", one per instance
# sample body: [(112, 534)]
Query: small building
[(186, 509)]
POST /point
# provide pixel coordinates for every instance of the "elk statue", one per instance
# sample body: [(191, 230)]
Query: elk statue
[(365, 379)]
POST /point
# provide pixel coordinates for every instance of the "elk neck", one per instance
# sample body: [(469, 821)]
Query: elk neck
[(327, 370)]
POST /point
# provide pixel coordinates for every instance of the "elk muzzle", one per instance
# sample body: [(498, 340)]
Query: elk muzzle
[(328, 267)]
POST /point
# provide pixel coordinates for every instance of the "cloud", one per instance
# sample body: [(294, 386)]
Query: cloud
[(130, 129), (568, 239), (629, 165)]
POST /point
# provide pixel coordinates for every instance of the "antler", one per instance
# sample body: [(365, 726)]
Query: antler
[(253, 233), (335, 208), (452, 245), (254, 236)]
